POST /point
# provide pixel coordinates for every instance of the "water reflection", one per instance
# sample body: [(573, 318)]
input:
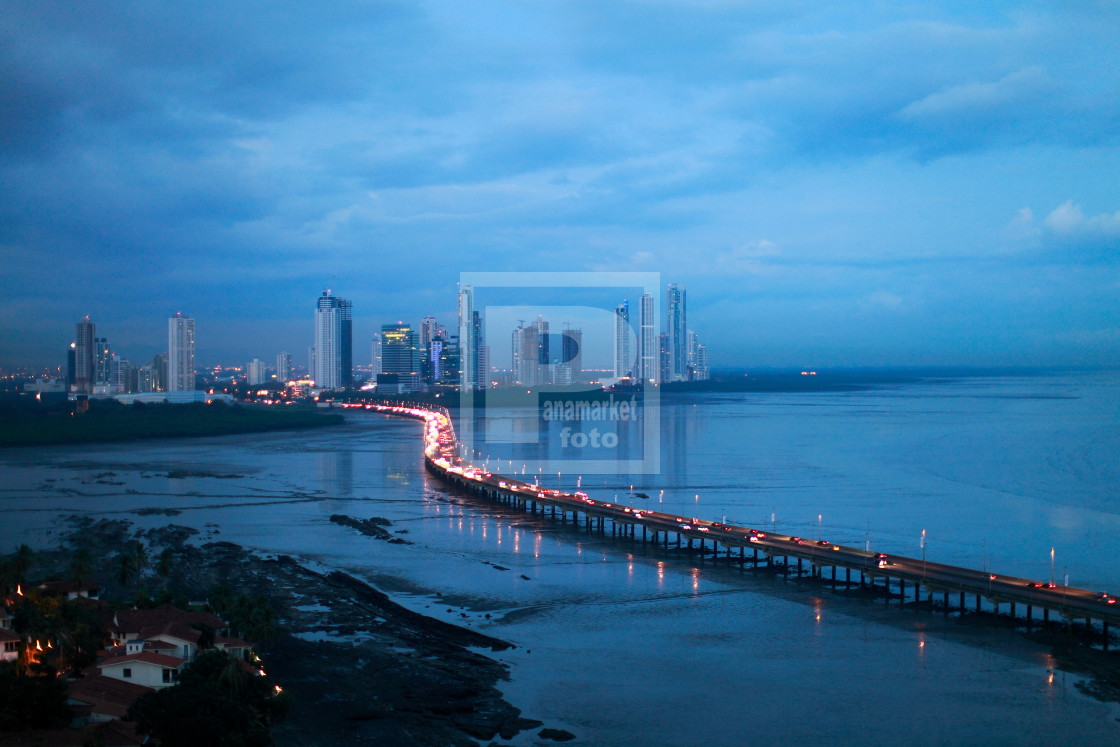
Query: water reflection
[(335, 471)]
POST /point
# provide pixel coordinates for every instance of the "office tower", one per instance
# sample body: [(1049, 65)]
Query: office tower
[(648, 355), (159, 372), (400, 349), (623, 356), (145, 379), (103, 362), (663, 354), (375, 356), (334, 363), (473, 374), (449, 360), (84, 356), (180, 354), (126, 376), (429, 331), (569, 369), (254, 372), (283, 368), (676, 330)]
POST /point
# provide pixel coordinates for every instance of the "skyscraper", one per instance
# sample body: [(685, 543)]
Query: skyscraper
[(429, 330), (400, 349), (84, 356), (334, 362), (648, 354), (676, 331), (283, 368), (623, 352), (254, 372), (180, 353), (103, 362), (375, 356), (474, 370)]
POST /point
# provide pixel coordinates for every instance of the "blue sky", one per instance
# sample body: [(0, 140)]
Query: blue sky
[(834, 183)]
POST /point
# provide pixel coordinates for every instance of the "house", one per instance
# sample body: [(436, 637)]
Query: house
[(145, 668), (10, 643), (100, 698), (168, 630), (70, 589)]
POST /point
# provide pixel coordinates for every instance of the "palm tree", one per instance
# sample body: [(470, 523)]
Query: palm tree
[(139, 558), (166, 562), (126, 568), (21, 563), (81, 566)]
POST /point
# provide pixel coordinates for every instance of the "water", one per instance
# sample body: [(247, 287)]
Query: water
[(622, 645)]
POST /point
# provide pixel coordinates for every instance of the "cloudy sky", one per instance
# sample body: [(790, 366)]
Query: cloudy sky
[(835, 183)]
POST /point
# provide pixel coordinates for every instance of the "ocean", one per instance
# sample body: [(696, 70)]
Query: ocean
[(623, 644)]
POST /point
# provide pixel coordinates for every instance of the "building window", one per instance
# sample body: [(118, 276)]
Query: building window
[(167, 675), (126, 673)]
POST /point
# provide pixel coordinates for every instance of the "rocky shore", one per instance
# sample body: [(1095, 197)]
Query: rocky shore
[(361, 668)]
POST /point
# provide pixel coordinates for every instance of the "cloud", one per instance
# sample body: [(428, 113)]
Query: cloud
[(1069, 219)]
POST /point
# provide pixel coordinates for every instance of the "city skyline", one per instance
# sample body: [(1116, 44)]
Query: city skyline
[(911, 185)]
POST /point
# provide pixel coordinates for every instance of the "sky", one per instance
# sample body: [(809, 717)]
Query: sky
[(835, 183)]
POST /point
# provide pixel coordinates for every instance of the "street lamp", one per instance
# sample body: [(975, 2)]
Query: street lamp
[(923, 553), (1051, 566)]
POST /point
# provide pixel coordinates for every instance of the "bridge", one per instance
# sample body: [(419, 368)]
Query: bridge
[(863, 568)]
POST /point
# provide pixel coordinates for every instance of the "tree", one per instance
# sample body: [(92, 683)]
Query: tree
[(215, 703), (21, 563), (81, 566), (166, 562), (31, 701), (126, 568), (139, 558)]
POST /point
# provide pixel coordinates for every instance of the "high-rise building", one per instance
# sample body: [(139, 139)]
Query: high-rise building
[(569, 369), (623, 353), (84, 356), (429, 330), (471, 340), (334, 362), (375, 356), (283, 368), (648, 355), (180, 354), (159, 372), (400, 349), (676, 330), (254, 372), (103, 362)]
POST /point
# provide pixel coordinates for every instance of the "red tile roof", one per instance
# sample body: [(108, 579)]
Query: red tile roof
[(148, 657), (106, 695), (8, 635)]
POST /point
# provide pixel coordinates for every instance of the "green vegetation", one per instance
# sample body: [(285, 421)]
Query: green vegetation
[(29, 423), (31, 701), (217, 702)]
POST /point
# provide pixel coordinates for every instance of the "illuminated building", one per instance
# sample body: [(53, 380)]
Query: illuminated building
[(334, 368), (254, 372), (623, 357), (474, 369), (84, 356), (375, 356), (676, 331), (648, 353), (180, 353), (283, 367)]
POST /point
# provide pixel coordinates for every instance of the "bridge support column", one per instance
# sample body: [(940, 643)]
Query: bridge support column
[(1046, 615), (946, 604), (978, 598), (799, 566), (1028, 618), (962, 601), (1013, 609), (901, 591), (1104, 629)]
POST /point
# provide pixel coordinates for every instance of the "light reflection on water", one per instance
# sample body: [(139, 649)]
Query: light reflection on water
[(886, 464)]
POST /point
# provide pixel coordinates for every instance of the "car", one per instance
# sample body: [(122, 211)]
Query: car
[(880, 556), (637, 514), (701, 529), (1034, 584), (797, 540), (503, 484), (1104, 598), (686, 526), (823, 543), (753, 538), (1050, 585), (758, 534)]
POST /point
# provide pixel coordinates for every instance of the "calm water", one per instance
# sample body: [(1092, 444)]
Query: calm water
[(621, 645)]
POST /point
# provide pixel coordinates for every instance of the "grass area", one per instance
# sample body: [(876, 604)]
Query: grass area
[(108, 420)]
